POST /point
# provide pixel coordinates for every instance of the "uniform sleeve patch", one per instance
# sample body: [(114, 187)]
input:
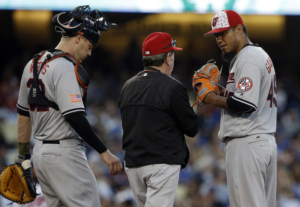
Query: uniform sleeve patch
[(245, 84), (75, 98)]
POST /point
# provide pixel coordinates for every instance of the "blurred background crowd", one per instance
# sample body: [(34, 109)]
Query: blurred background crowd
[(203, 182)]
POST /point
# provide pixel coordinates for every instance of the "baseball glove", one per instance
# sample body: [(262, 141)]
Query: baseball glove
[(205, 81), (16, 183)]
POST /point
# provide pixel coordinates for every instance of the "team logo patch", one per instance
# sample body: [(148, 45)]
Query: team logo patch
[(75, 98), (220, 20), (245, 84)]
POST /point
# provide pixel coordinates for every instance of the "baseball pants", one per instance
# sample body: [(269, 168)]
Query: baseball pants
[(251, 169), (64, 174), (154, 185)]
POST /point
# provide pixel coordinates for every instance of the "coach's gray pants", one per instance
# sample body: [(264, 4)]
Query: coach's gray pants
[(251, 168), (64, 174), (154, 185)]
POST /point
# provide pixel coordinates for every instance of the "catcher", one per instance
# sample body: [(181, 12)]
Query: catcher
[(52, 97), (16, 182), (205, 81)]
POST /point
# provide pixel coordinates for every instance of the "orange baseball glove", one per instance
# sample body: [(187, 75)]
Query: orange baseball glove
[(205, 81)]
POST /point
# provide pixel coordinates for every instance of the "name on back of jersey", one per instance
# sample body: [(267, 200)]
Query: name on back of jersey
[(269, 65), (44, 69)]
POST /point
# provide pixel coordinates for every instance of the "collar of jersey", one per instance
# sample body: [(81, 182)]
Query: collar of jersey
[(256, 45), (150, 69)]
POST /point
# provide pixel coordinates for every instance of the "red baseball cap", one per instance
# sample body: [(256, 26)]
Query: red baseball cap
[(223, 21), (157, 43)]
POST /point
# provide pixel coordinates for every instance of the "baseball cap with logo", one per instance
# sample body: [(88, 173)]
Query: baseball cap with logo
[(157, 43), (223, 21)]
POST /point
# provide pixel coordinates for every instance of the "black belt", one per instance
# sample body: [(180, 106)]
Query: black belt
[(228, 139), (57, 142), (51, 142)]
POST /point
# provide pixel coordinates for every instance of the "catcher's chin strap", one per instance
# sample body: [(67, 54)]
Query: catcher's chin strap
[(36, 96)]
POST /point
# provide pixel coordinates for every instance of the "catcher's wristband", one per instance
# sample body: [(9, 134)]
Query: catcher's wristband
[(22, 158)]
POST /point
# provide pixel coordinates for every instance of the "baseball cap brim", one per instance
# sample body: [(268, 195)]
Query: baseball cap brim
[(177, 48), (216, 31)]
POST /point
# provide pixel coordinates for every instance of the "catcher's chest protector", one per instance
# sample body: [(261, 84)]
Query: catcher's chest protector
[(37, 97)]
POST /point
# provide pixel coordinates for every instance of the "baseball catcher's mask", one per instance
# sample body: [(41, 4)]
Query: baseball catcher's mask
[(84, 21)]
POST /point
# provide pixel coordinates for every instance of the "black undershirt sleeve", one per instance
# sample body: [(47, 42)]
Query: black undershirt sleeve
[(238, 107), (80, 124), (23, 113)]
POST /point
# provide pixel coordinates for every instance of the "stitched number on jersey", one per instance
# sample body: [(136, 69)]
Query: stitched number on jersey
[(271, 96), (42, 87), (228, 94)]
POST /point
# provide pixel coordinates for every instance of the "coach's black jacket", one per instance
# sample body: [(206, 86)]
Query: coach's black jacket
[(156, 114)]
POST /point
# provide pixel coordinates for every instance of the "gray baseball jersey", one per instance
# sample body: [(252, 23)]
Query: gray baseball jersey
[(58, 82), (57, 166), (252, 81)]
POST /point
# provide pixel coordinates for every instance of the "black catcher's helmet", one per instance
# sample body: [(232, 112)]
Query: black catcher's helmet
[(90, 23)]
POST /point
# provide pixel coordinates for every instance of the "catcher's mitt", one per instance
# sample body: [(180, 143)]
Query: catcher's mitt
[(16, 183), (205, 81)]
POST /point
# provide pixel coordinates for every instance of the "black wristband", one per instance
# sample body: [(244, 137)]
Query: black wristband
[(27, 157), (22, 158), (80, 124)]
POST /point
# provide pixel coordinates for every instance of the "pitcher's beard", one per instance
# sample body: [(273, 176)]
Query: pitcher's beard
[(228, 56)]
